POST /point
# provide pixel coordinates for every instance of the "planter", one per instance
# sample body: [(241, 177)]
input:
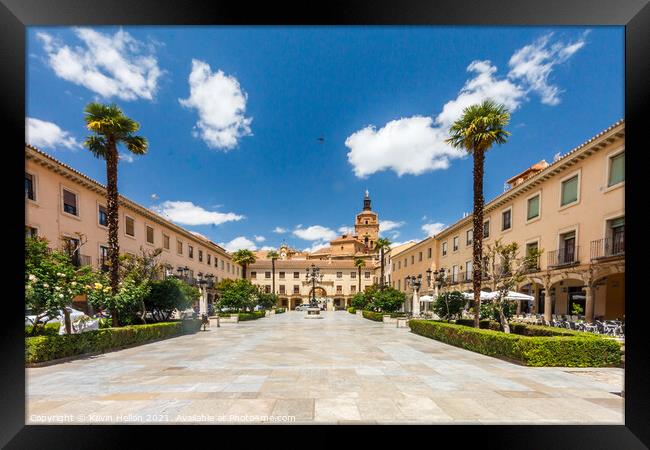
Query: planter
[(234, 318), (359, 312), (389, 319)]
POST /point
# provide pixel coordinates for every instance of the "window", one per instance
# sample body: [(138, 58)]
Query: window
[(420, 256), (228, 267), (70, 202), (412, 259), (367, 274), (209, 261), (531, 247), (399, 265), (165, 241), (103, 257), (222, 264), (200, 255), (149, 234), (282, 275), (216, 262), (129, 226), (454, 273), (253, 275), (468, 270), (616, 236), (29, 186), (353, 289), (469, 237), (616, 169), (567, 251), (429, 253), (444, 249), (296, 274), (405, 262), (190, 251), (353, 274), (506, 217), (267, 289), (296, 289), (399, 285), (339, 274), (532, 207), (31, 232), (339, 289), (267, 274), (102, 216), (486, 229), (282, 289), (569, 191), (456, 243)]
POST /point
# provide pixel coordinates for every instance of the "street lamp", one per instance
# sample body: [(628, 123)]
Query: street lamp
[(415, 283), (313, 274)]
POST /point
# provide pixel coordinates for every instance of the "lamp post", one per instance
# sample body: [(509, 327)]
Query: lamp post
[(415, 283), (313, 274)]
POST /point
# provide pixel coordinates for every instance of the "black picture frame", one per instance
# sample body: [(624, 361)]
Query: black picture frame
[(634, 15)]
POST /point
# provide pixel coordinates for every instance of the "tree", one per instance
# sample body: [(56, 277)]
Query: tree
[(244, 258), (111, 129), (382, 244), (51, 282), (238, 294), (266, 300), (506, 270), (387, 299), (272, 255), (166, 296), (360, 301), (126, 301), (359, 262), (449, 305), (480, 126), (141, 268)]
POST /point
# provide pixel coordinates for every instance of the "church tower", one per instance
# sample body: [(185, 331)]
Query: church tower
[(366, 225)]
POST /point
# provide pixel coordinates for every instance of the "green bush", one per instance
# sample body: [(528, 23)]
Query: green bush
[(523, 329), (376, 316), (49, 329), (46, 348), (254, 315), (165, 296), (280, 310), (548, 351), (449, 305), (483, 323), (397, 314), (352, 310)]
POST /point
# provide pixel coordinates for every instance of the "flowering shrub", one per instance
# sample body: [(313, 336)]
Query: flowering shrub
[(128, 301)]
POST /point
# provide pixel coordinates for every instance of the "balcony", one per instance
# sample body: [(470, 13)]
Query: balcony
[(563, 257), (607, 248), (80, 260), (533, 266)]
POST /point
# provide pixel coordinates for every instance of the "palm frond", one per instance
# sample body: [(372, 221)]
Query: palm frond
[(136, 144), (97, 146)]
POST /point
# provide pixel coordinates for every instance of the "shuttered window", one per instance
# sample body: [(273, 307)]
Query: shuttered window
[(570, 190), (616, 169)]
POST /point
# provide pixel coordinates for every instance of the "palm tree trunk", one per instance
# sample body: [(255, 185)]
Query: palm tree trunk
[(243, 271), (477, 234), (112, 218), (381, 281), (273, 275), (359, 278)]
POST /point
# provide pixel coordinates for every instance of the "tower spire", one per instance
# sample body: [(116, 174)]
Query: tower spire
[(366, 202)]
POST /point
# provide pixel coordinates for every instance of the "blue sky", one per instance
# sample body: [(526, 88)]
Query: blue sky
[(233, 116)]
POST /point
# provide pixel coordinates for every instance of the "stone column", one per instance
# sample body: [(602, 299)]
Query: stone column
[(416, 303), (518, 307), (203, 303), (548, 304), (589, 304)]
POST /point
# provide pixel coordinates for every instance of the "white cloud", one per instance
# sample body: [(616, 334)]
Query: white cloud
[(315, 233), (316, 246), (397, 244), (533, 64), (42, 134), (267, 248), (280, 230), (259, 238), (127, 157), (111, 66), (346, 230), (154, 197), (239, 243), (387, 225), (415, 145), (187, 213), (433, 228), (221, 105)]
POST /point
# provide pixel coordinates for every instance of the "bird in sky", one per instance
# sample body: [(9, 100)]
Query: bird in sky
[(321, 139)]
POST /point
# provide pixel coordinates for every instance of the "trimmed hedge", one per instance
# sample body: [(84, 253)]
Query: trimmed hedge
[(254, 315), (376, 316), (524, 329), (578, 350), (397, 314), (46, 348), (352, 310), (280, 310), (50, 329)]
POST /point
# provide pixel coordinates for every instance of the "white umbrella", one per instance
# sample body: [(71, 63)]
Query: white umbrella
[(426, 298), (484, 295), (511, 295)]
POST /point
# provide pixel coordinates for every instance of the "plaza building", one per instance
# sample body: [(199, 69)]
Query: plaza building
[(69, 209), (573, 209), (337, 263)]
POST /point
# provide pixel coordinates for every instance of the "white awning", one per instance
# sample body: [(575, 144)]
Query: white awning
[(512, 295), (426, 298)]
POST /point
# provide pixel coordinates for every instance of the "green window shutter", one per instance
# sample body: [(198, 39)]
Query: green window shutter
[(533, 207), (616, 169), (570, 190)]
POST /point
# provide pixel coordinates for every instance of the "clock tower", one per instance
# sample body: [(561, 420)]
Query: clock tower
[(366, 225)]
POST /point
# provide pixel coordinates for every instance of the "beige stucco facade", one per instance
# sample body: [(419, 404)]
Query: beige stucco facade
[(46, 214)]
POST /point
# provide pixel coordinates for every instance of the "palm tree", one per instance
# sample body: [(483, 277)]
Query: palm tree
[(272, 255), (359, 262), (244, 258), (382, 244), (481, 126), (112, 128)]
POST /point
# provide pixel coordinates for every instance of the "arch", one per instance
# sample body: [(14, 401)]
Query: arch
[(320, 292)]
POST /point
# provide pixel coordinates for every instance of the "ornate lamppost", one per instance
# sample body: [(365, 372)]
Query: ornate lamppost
[(313, 274), (415, 283)]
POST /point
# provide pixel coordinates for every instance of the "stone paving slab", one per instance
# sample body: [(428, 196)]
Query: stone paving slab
[(340, 370)]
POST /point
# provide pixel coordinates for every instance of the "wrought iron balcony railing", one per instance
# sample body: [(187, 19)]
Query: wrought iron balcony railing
[(607, 248), (564, 256)]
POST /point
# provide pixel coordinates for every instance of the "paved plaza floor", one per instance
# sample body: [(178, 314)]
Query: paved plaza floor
[(341, 369)]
